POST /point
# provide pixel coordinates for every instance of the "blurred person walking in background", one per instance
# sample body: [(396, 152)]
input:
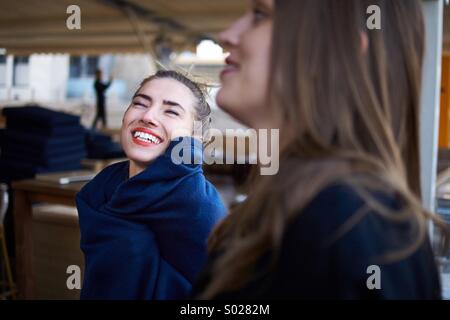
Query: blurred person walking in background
[(100, 89)]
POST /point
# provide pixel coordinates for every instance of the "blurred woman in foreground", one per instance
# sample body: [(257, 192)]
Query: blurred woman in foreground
[(342, 218)]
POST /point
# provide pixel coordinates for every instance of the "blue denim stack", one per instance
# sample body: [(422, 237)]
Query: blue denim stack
[(101, 146), (39, 140)]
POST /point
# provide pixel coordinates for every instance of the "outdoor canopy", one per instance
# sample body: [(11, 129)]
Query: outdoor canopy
[(111, 26)]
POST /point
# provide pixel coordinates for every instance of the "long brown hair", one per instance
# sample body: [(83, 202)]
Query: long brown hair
[(354, 116)]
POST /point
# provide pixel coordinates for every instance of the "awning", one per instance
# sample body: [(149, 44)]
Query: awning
[(112, 26)]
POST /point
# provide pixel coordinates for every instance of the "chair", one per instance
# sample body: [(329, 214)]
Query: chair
[(7, 288)]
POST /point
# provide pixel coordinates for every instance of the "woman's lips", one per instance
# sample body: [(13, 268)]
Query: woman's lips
[(231, 66), (145, 137), (143, 143), (227, 70)]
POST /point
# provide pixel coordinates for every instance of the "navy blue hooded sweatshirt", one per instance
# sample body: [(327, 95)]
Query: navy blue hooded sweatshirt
[(145, 237)]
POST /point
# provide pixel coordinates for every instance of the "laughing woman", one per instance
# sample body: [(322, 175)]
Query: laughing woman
[(144, 222)]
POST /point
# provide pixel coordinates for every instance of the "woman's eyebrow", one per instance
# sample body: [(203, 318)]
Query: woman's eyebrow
[(143, 96), (166, 102), (173, 103)]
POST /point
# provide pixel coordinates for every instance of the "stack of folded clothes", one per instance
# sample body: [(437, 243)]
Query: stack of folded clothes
[(39, 140), (101, 146)]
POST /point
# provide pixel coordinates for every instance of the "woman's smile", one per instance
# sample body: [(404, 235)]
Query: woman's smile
[(231, 67), (145, 137)]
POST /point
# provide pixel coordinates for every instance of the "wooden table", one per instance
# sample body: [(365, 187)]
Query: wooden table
[(27, 192)]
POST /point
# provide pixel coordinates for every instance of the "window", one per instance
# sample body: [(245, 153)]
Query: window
[(91, 65), (75, 67), (82, 66), (20, 71), (2, 70)]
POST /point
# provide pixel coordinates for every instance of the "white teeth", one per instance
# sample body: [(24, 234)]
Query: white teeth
[(146, 137)]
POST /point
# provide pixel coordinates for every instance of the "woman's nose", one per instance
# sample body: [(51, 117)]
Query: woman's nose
[(150, 117), (230, 37)]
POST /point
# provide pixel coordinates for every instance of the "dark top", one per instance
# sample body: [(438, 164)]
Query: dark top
[(308, 268), (144, 237), (100, 89)]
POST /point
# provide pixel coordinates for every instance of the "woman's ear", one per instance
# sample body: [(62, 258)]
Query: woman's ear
[(364, 42)]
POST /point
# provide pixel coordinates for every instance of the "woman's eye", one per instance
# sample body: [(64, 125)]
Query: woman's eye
[(258, 15), (172, 112), (137, 103)]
